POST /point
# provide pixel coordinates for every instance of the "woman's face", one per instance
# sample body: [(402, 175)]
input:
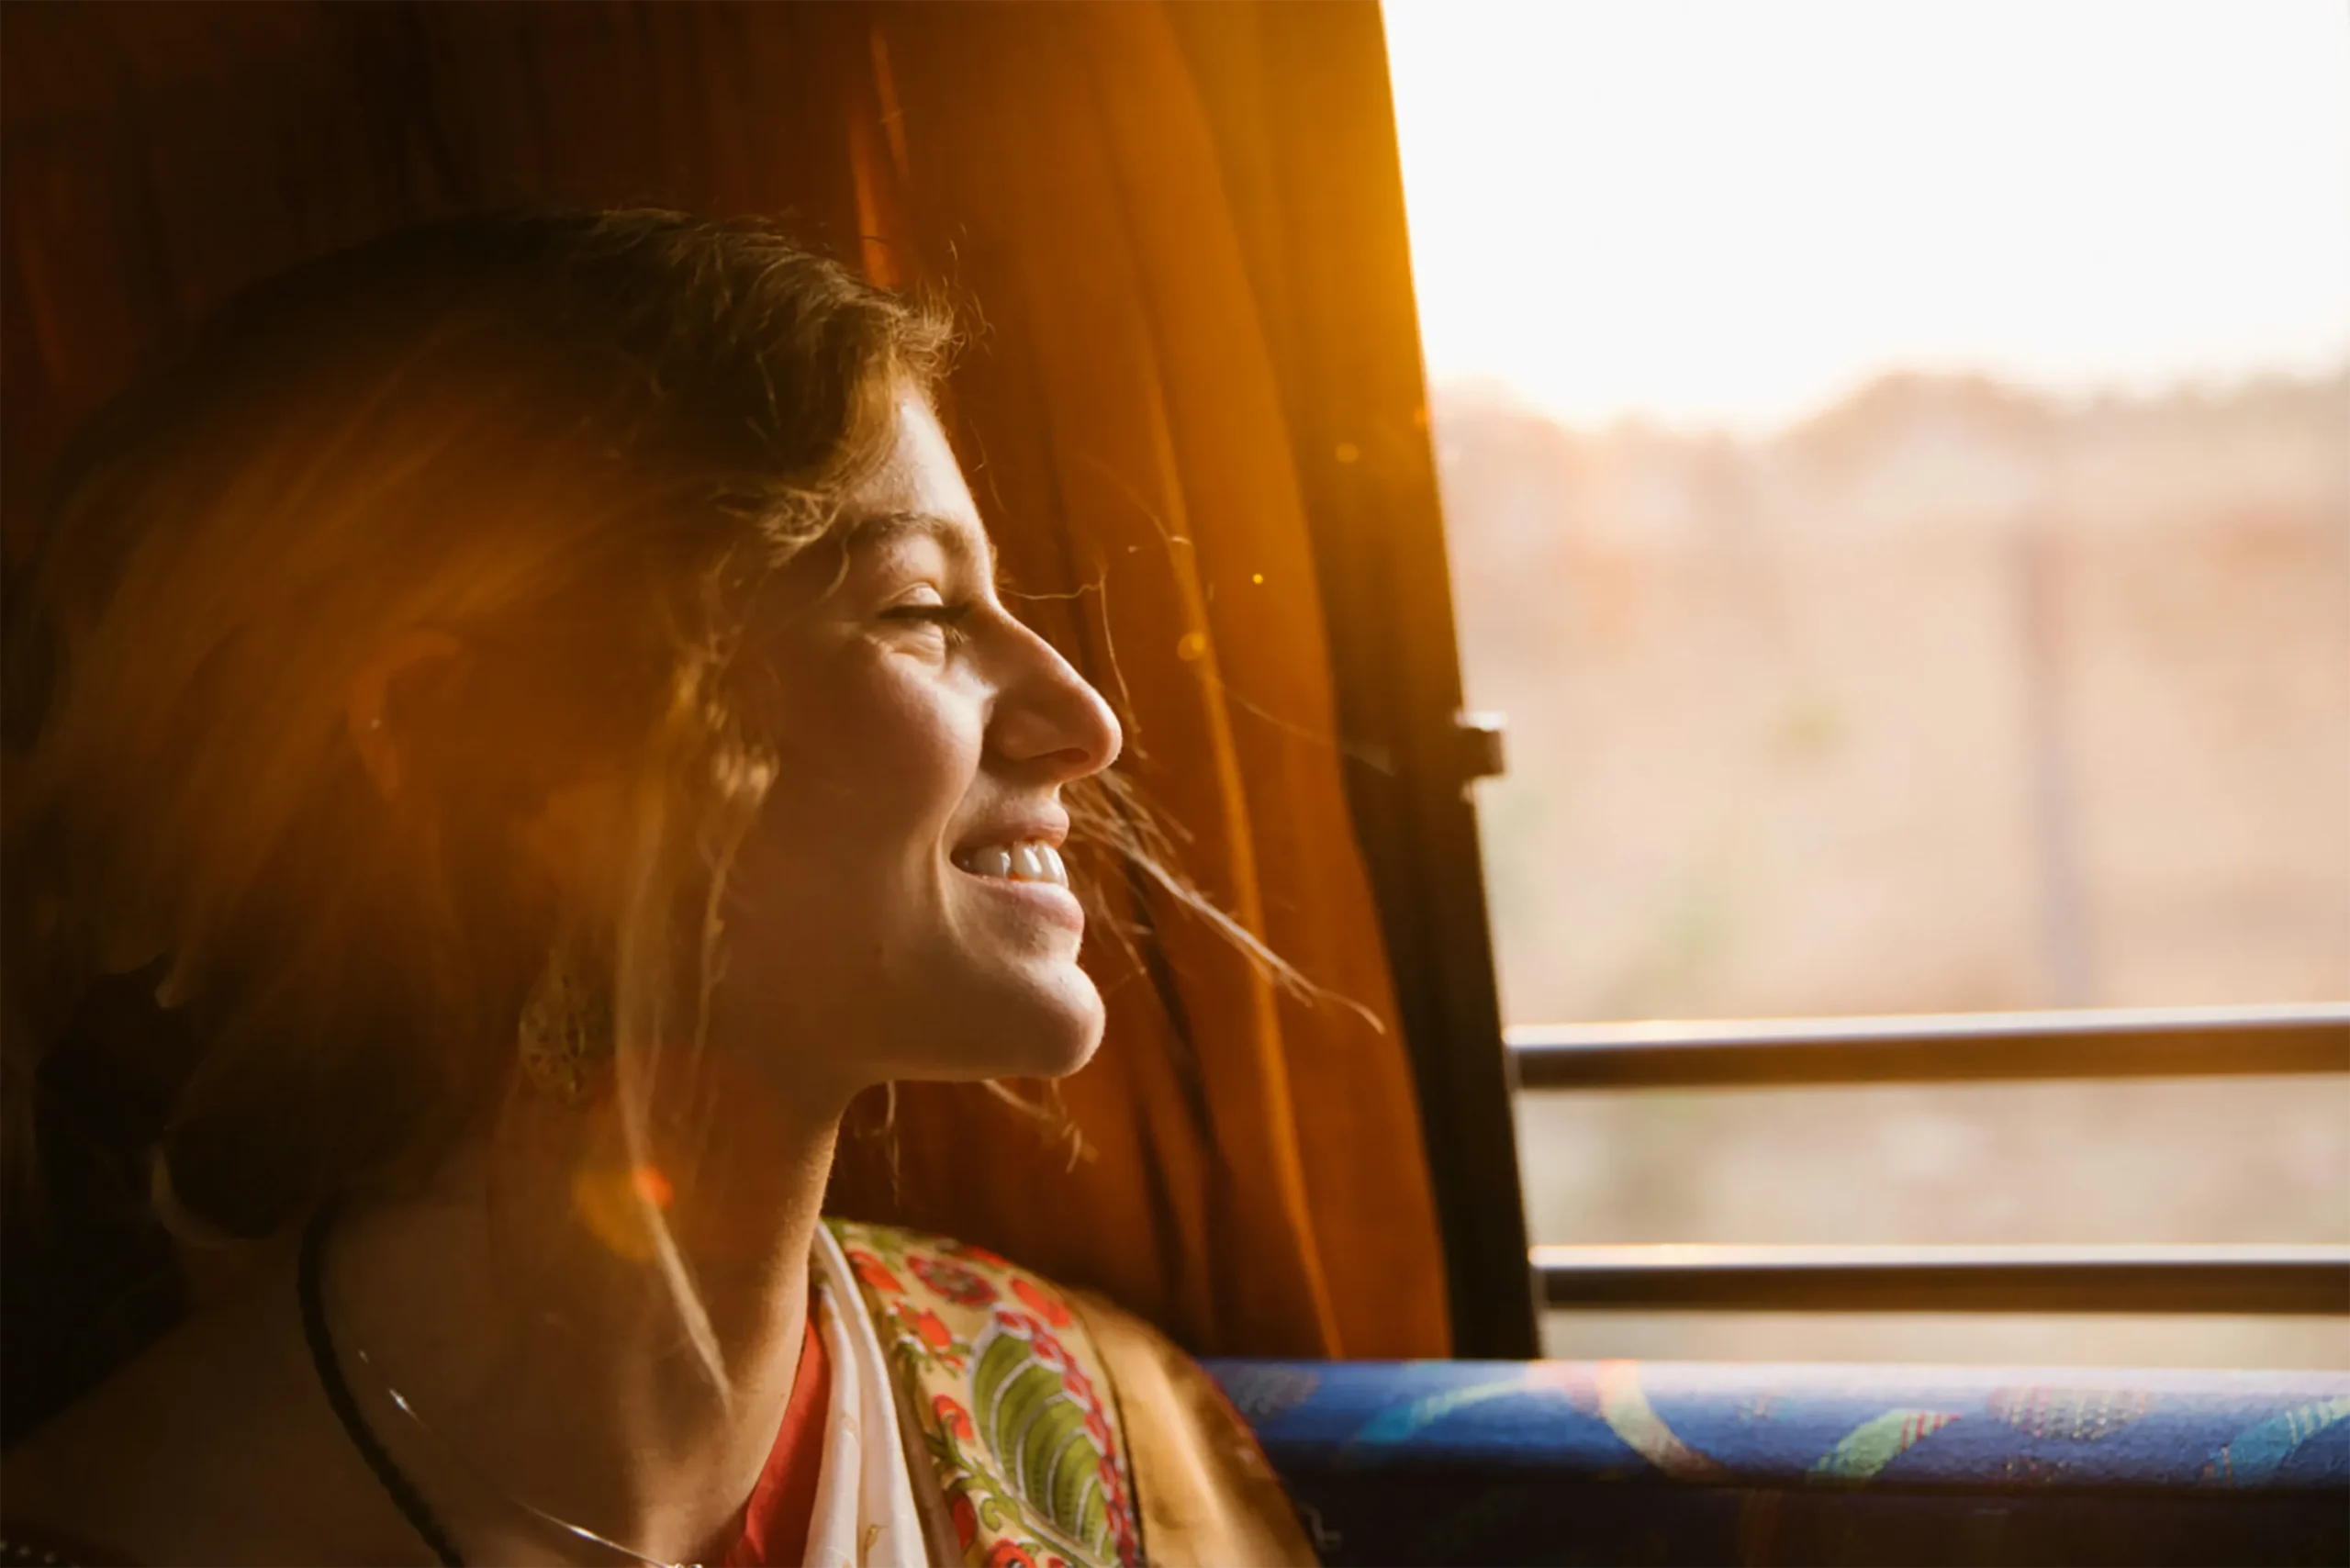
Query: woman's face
[(900, 909)]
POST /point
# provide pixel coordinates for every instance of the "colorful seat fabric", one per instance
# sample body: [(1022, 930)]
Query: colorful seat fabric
[(1663, 1463)]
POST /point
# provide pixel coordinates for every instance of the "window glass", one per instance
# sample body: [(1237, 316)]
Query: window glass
[(2138, 1163), (1896, 466), (2141, 1162)]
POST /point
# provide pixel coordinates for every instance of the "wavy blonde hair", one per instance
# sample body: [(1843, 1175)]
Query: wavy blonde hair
[(575, 443)]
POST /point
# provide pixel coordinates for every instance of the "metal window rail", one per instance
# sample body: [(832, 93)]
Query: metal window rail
[(2148, 1043), (1935, 1047), (2298, 1281)]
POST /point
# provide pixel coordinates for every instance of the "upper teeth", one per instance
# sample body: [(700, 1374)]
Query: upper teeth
[(1025, 862)]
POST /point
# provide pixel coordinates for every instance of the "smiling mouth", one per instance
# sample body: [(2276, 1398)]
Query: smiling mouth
[(1030, 860)]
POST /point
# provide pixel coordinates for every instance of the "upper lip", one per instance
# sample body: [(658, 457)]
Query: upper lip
[(1037, 827)]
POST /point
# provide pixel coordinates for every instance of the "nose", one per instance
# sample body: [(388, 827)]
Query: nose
[(1048, 719)]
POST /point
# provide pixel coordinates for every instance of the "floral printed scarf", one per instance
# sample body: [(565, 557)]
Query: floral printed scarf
[(999, 1384)]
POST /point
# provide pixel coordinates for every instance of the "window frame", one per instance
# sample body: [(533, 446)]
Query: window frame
[(1298, 102)]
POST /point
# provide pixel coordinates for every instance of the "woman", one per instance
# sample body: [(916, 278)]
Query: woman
[(532, 695)]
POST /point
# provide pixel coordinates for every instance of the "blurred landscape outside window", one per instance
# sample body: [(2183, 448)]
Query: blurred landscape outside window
[(1897, 470)]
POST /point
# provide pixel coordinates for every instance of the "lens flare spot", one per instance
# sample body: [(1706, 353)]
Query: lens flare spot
[(651, 1186), (610, 1202)]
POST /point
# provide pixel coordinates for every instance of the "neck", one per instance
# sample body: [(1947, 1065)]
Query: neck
[(527, 1310)]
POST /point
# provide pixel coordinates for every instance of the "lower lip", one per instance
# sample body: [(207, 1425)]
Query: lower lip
[(1049, 899)]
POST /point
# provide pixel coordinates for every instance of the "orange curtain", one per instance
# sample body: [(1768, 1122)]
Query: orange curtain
[(1253, 1177)]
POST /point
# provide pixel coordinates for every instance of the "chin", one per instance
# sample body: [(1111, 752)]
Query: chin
[(1078, 1048), (1046, 1031), (1058, 1046)]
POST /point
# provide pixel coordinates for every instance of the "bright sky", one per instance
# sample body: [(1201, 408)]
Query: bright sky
[(1738, 209)]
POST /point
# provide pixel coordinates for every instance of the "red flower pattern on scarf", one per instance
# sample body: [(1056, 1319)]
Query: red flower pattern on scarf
[(952, 1416), (873, 1272), (1044, 1304), (951, 1280), (926, 1324), (979, 1255)]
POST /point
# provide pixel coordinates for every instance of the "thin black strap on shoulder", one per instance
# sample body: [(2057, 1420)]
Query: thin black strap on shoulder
[(395, 1485)]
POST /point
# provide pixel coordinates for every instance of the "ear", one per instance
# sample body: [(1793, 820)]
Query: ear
[(371, 709)]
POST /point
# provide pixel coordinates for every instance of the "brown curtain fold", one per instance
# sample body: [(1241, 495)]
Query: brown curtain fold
[(1252, 1177)]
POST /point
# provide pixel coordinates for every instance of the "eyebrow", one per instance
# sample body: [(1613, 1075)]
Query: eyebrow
[(965, 544)]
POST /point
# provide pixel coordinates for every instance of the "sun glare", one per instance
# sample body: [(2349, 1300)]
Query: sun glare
[(1735, 211)]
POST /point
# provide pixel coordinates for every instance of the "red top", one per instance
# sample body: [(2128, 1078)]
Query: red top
[(775, 1520)]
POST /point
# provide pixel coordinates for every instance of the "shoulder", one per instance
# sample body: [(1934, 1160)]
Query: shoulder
[(1206, 1491), (204, 1449), (997, 1360), (908, 1273), (106, 1478)]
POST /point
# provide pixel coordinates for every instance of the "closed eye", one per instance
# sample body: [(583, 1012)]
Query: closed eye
[(947, 618)]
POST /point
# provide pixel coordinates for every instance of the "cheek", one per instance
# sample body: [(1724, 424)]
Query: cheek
[(872, 764)]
